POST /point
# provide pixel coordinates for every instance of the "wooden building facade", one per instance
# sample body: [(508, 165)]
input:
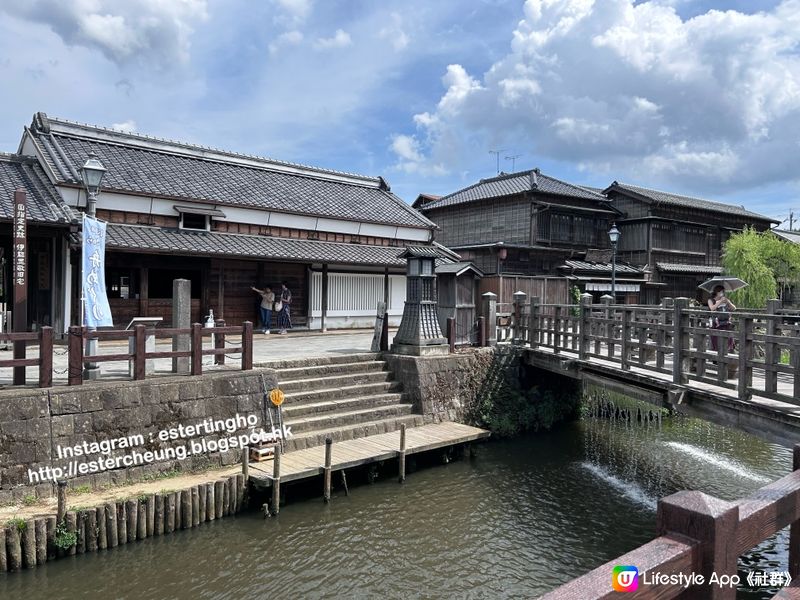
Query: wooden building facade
[(227, 222), (677, 239)]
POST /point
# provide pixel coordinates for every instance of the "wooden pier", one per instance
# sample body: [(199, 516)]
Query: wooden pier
[(310, 462)]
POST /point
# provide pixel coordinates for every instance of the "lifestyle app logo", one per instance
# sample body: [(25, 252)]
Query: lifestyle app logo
[(625, 578)]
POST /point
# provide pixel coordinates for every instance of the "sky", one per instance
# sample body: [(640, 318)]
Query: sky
[(694, 97)]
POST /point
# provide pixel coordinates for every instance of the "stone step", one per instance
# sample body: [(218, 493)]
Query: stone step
[(316, 437), (333, 381), (349, 391), (337, 359), (344, 404), (333, 420), (292, 373)]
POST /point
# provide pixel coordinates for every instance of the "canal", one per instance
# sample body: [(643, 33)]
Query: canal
[(520, 518)]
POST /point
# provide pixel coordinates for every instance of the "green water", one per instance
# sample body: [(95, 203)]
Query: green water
[(520, 518)]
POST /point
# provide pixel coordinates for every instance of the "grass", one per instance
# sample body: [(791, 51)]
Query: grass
[(20, 524), (29, 500), (81, 489)]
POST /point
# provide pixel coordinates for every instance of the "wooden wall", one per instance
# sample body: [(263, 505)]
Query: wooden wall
[(550, 290)]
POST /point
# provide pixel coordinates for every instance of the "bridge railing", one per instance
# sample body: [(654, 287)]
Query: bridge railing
[(757, 353), (701, 535)]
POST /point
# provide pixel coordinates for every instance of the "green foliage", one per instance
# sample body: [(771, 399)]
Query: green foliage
[(29, 500), (65, 539), (764, 261), (81, 489), (17, 522)]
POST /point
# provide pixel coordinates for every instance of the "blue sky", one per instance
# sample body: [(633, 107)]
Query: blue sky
[(689, 96)]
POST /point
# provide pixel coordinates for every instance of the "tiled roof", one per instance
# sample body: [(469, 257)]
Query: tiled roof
[(155, 239), (457, 268), (687, 201), (514, 183), (789, 236), (146, 165), (44, 201), (582, 265), (678, 268)]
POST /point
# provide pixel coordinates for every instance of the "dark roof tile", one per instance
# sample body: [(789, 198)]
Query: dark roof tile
[(44, 202)]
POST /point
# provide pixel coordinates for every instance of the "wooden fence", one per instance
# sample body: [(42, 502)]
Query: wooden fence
[(78, 359)]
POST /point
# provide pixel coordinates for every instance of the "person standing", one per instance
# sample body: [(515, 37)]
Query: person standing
[(722, 307), (265, 308), (284, 315)]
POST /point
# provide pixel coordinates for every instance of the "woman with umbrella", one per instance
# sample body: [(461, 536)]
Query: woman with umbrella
[(721, 305)]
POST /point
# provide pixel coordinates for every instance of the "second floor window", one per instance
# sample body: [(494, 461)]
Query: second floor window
[(194, 221)]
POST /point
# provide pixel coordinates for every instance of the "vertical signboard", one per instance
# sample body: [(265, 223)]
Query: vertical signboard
[(97, 310), (19, 276)]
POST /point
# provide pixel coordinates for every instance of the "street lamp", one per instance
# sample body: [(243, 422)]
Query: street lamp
[(613, 236), (92, 173)]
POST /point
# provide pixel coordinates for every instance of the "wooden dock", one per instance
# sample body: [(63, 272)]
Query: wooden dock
[(310, 462)]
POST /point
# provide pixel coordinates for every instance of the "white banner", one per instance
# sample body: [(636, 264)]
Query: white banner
[(97, 313)]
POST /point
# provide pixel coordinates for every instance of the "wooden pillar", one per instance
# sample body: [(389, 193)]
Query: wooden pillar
[(46, 357), (326, 491), (519, 302), (402, 454), (247, 346), (489, 314), (794, 532), (534, 322), (221, 289), (451, 333), (19, 277), (75, 358), (586, 308), (197, 349), (713, 523), (62, 501), (144, 292), (324, 298), (680, 339), (745, 355), (276, 482), (771, 351)]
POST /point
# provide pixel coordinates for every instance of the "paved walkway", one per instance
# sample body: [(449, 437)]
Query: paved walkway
[(266, 349)]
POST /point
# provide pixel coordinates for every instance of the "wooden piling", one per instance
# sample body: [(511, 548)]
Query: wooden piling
[(29, 544), (158, 518), (275, 507), (241, 492), (202, 492), (402, 454), (344, 483), (80, 532), (132, 508), (326, 477), (233, 494), (169, 522), (178, 510), (72, 527), (13, 548), (794, 530), (195, 506), (102, 532), (186, 509), (50, 525), (246, 462), (150, 511), (141, 523), (226, 497), (112, 531), (62, 501), (211, 503), (219, 495), (122, 523), (40, 527), (3, 556), (90, 520)]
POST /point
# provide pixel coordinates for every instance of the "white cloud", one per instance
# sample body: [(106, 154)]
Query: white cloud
[(410, 159), (289, 38), (136, 30), (295, 10), (128, 126), (632, 87), (394, 33), (341, 39)]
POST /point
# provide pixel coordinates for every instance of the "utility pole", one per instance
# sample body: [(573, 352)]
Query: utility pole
[(513, 160), (497, 154)]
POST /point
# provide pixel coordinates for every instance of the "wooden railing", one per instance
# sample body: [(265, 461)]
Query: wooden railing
[(78, 359), (672, 339), (701, 535)]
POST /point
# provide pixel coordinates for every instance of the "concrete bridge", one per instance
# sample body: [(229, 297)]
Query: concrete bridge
[(746, 376)]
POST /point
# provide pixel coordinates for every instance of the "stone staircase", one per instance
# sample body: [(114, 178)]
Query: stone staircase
[(344, 397)]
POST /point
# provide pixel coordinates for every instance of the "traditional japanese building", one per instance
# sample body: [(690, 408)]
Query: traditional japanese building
[(226, 222), (677, 239)]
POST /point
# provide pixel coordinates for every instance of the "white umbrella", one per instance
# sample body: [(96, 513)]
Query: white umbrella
[(729, 284)]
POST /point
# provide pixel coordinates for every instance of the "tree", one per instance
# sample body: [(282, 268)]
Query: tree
[(764, 261)]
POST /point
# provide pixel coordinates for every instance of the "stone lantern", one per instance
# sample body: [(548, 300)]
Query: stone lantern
[(419, 333)]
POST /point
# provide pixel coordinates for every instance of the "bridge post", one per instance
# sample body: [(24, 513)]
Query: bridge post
[(534, 324), (519, 302), (794, 531), (680, 339), (745, 356), (608, 328), (489, 313), (586, 307), (771, 355), (712, 522)]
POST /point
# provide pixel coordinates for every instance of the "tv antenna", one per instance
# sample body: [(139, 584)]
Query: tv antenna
[(497, 155), (513, 160)]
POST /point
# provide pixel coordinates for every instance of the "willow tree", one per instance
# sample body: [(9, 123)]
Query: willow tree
[(764, 261)]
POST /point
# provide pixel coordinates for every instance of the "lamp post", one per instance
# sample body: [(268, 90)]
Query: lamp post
[(92, 173), (613, 236)]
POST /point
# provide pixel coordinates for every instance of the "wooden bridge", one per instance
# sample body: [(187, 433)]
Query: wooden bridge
[(746, 376)]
